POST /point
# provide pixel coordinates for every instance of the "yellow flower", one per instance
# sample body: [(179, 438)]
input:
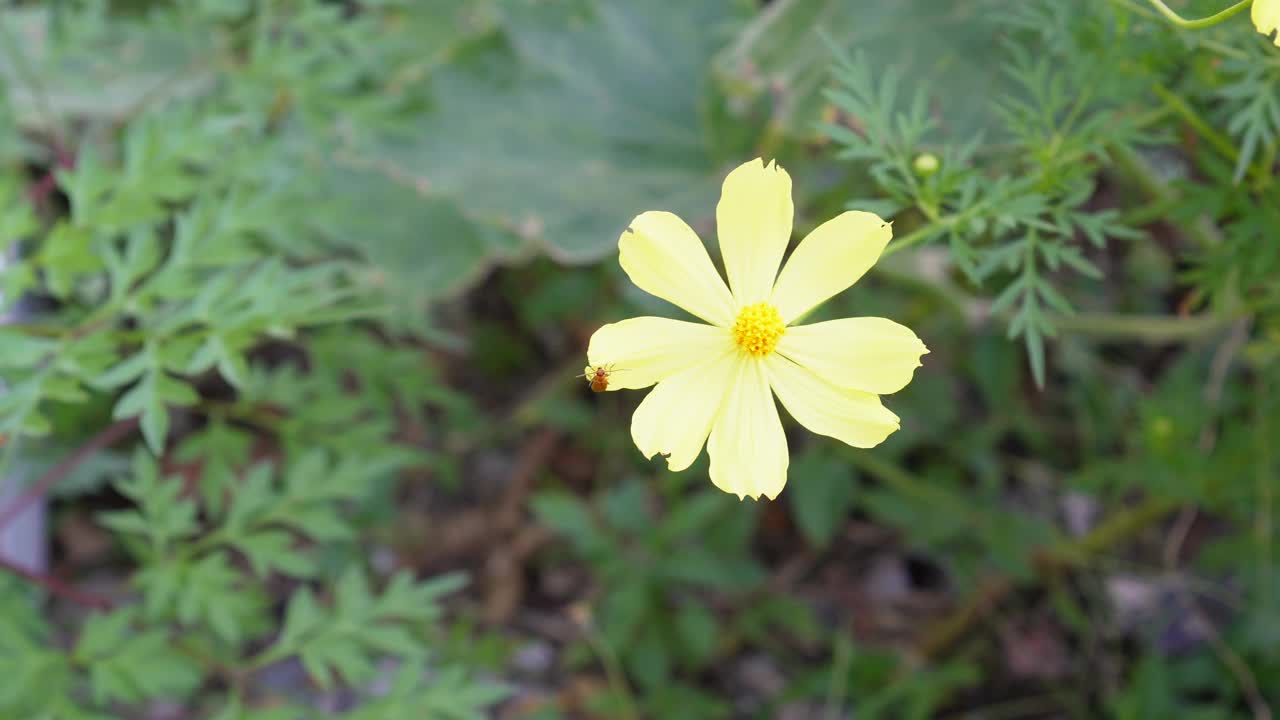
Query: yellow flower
[(1266, 16), (715, 382)]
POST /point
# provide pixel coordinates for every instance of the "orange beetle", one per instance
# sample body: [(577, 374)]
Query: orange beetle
[(598, 377)]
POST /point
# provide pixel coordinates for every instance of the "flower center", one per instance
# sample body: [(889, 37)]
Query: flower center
[(758, 328)]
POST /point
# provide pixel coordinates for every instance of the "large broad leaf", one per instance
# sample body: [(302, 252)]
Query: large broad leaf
[(947, 48), (423, 244), (83, 65), (573, 117)]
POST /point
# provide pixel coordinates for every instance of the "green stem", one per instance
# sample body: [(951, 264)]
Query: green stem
[(1183, 109), (1119, 527), (1266, 167), (936, 224), (1154, 329), (1199, 23), (614, 674), (1261, 171), (1153, 211), (839, 673), (1262, 525), (915, 237), (1202, 230)]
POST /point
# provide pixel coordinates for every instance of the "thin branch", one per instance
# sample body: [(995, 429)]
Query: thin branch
[(107, 437), (1218, 371), (1055, 559), (1234, 663), (1063, 556), (613, 672)]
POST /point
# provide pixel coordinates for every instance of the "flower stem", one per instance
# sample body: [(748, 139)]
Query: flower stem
[(1198, 23)]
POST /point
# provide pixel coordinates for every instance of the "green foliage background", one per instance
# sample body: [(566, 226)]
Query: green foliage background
[(307, 284)]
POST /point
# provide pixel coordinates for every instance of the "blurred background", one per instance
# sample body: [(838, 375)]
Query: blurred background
[(295, 294)]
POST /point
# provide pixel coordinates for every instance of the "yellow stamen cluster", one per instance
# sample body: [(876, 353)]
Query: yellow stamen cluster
[(758, 328)]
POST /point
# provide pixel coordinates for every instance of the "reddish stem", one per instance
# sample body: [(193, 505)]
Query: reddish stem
[(107, 437), (44, 187), (57, 587)]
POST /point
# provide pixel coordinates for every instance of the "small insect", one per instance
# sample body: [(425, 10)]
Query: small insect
[(598, 377)]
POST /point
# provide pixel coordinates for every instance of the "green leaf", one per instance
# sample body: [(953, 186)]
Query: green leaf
[(150, 397), (649, 658), (19, 350), (128, 665), (450, 695), (343, 643), (155, 417), (692, 516), (162, 515), (253, 498), (700, 567), (568, 515), (214, 594), (1035, 354), (66, 256), (699, 634), (126, 371), (625, 508), (17, 218), (302, 618), (130, 62), (274, 550), (401, 224)]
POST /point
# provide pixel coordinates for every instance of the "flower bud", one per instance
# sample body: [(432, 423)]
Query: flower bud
[(926, 164)]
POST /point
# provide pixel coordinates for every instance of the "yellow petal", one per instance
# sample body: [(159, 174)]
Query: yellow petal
[(753, 221), (851, 416), (642, 351), (829, 260), (1266, 17), (871, 354), (747, 446), (664, 257), (675, 417)]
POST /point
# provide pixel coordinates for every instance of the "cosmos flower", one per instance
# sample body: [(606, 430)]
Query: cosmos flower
[(715, 382), (1266, 17)]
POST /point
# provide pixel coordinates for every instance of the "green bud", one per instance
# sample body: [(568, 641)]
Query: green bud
[(926, 164)]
